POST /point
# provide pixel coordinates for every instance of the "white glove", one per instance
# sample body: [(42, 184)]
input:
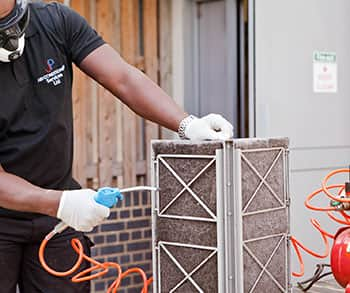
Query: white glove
[(210, 127), (79, 210)]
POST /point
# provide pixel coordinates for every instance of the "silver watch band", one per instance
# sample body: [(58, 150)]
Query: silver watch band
[(183, 124)]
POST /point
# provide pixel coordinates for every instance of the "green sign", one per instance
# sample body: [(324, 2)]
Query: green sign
[(325, 57)]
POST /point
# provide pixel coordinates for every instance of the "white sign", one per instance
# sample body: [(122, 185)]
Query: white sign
[(325, 72)]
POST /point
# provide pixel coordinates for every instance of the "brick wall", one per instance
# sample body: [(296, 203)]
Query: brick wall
[(125, 238)]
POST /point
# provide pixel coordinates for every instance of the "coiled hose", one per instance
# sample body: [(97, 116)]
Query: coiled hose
[(85, 275), (326, 189), (101, 268)]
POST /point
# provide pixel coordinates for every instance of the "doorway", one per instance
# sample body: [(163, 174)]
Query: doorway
[(212, 53)]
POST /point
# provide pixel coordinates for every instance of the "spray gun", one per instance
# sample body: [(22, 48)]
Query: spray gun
[(107, 196)]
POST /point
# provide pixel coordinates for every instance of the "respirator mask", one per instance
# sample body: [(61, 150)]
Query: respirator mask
[(12, 29)]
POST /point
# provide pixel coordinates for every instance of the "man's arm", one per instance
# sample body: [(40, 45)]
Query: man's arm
[(18, 194), (77, 208), (132, 87)]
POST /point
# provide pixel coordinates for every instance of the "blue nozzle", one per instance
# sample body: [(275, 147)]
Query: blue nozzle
[(108, 196)]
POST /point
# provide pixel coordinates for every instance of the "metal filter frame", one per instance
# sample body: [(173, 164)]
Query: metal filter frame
[(229, 217)]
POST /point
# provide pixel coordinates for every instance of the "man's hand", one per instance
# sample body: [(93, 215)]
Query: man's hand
[(79, 210), (210, 127)]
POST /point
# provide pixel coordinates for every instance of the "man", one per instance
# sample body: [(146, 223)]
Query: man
[(38, 44)]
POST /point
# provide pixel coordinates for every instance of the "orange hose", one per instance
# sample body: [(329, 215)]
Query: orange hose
[(339, 221), (325, 189), (316, 192), (297, 244), (102, 268)]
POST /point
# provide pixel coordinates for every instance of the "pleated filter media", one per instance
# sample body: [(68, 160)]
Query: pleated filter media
[(220, 219)]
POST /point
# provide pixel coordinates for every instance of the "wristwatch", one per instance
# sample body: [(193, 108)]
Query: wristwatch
[(183, 125)]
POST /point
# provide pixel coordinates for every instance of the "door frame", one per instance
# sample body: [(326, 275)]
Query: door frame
[(190, 41), (251, 70)]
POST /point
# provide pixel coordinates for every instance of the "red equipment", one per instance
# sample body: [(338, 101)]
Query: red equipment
[(340, 258)]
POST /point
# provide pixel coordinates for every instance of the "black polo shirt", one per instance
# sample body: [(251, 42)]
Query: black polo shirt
[(36, 121)]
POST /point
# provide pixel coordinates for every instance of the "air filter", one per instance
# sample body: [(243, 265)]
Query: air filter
[(221, 216)]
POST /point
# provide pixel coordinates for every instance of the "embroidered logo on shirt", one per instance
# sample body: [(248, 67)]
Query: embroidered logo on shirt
[(52, 75), (50, 64)]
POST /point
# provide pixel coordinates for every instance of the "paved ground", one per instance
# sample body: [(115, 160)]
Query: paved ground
[(323, 287)]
